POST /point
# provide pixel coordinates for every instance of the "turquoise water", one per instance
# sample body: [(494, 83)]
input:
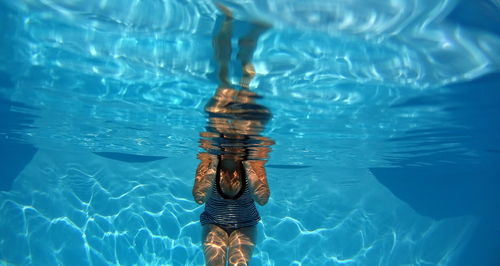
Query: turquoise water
[(385, 118)]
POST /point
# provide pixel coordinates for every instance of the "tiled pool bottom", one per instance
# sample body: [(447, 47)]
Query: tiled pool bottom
[(82, 209)]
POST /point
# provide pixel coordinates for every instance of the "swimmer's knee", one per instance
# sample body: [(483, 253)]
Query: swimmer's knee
[(238, 261)]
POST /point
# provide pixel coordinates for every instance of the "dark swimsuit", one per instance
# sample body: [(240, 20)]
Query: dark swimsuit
[(230, 212)]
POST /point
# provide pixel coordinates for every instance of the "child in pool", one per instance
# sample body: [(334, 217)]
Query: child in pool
[(230, 181)]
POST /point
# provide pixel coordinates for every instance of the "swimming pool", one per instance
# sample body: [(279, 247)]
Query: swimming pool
[(385, 123)]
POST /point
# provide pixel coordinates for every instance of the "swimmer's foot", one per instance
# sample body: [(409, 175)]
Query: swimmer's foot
[(261, 26), (247, 75), (224, 10)]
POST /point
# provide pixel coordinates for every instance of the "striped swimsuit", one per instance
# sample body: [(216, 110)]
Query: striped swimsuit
[(230, 212)]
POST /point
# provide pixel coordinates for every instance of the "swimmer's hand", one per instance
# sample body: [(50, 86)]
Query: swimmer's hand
[(200, 199)]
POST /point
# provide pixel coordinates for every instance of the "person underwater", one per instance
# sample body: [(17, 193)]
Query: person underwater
[(231, 176)]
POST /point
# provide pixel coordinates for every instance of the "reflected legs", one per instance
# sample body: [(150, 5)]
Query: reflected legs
[(247, 45)]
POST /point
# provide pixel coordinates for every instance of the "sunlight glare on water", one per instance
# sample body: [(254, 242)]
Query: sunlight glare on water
[(150, 56)]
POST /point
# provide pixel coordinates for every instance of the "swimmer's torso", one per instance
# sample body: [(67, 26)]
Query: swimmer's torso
[(230, 204)]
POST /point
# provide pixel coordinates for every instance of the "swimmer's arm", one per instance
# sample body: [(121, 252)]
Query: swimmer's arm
[(205, 176), (257, 178)]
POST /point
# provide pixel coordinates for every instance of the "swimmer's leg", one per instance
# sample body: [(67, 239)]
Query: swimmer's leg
[(247, 45), (215, 241), (241, 244), (222, 46)]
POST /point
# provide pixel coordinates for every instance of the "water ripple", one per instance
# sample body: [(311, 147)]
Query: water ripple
[(125, 221)]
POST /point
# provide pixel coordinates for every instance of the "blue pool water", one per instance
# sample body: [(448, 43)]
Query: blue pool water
[(386, 123)]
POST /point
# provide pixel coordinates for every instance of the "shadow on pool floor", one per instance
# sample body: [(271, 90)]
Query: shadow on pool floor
[(442, 183)]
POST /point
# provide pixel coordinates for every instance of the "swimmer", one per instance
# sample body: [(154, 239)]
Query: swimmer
[(231, 176)]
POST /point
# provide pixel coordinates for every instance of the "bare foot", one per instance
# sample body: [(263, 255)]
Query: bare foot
[(225, 10), (261, 25)]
